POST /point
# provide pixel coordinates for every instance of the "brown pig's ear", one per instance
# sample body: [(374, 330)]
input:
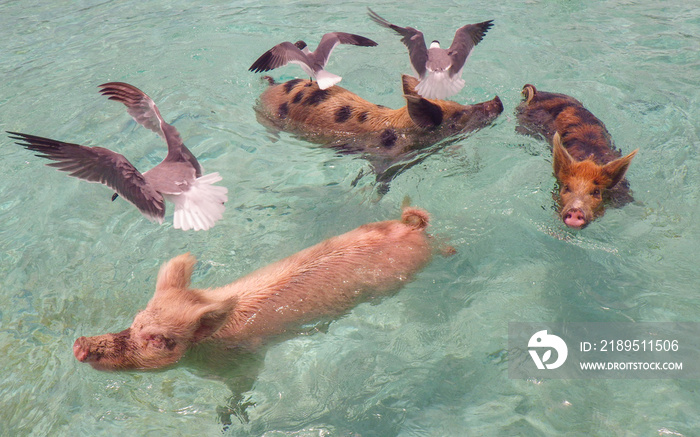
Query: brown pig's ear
[(176, 273), (423, 113), (213, 318), (561, 160), (409, 85), (616, 169)]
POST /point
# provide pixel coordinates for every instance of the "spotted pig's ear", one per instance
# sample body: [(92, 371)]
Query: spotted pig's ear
[(423, 112), (409, 85)]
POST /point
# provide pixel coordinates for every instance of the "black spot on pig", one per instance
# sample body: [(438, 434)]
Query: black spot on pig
[(283, 110), (362, 116), (317, 97), (298, 96), (290, 84), (343, 114)]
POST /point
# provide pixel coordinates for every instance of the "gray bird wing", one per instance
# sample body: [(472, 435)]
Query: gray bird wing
[(330, 40), (281, 54), (97, 164), (412, 38), (145, 112), (466, 38)]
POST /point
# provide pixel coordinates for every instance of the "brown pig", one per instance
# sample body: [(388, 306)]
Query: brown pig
[(323, 280), (589, 169), (340, 119)]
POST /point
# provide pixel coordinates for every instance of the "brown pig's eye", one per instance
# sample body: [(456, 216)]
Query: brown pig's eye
[(596, 192), (565, 189)]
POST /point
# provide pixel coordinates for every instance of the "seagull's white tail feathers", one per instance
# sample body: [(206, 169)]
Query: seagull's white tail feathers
[(439, 85), (201, 206), (326, 79)]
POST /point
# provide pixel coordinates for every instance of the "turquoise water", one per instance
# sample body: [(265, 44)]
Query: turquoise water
[(429, 360)]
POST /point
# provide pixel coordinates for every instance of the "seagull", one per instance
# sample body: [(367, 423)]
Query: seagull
[(311, 62), (439, 70), (178, 178)]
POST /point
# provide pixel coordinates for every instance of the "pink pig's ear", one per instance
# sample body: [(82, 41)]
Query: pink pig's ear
[(213, 318), (561, 160), (176, 273)]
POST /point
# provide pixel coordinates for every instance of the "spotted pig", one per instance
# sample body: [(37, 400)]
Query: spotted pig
[(590, 171), (341, 119), (334, 115), (321, 281)]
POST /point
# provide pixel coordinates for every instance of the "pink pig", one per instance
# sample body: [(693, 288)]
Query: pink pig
[(323, 280)]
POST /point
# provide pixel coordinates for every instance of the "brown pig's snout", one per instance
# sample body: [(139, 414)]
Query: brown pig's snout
[(575, 218), (80, 349)]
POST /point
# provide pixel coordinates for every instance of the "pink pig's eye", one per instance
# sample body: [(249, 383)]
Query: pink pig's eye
[(156, 340), (161, 342)]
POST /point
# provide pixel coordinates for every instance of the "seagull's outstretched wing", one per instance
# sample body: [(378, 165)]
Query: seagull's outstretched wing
[(137, 103), (412, 38), (330, 40), (281, 54), (97, 164), (145, 112), (464, 41)]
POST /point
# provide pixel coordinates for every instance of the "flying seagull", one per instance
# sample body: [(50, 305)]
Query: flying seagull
[(178, 178), (439, 70), (312, 63)]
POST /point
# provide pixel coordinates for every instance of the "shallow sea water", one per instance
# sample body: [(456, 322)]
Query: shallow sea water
[(428, 361)]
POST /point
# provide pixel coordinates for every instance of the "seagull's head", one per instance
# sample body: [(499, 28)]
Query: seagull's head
[(301, 45), (435, 44)]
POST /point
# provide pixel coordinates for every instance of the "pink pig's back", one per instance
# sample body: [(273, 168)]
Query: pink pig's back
[(327, 279)]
